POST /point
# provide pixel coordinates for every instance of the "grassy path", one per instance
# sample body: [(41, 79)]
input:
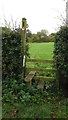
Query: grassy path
[(46, 109)]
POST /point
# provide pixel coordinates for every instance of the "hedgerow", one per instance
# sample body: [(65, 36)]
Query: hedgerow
[(61, 57), (11, 53)]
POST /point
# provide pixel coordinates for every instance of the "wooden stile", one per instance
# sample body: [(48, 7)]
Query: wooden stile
[(29, 77)]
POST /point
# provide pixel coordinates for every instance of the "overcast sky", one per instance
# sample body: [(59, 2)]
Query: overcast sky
[(40, 14)]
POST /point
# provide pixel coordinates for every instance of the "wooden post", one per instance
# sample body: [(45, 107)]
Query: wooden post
[(23, 45), (67, 13)]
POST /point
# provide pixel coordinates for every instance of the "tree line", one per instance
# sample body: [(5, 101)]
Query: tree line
[(39, 37)]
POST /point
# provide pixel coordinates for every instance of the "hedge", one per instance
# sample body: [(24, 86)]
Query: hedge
[(11, 54), (61, 57)]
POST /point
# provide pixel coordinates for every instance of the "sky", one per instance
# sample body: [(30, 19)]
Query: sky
[(40, 14)]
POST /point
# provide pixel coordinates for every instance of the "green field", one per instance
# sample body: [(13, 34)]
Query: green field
[(41, 50)]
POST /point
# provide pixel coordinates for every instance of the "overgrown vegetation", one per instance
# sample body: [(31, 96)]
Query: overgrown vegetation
[(61, 58), (22, 102)]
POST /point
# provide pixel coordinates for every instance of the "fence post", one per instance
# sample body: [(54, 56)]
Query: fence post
[(23, 45)]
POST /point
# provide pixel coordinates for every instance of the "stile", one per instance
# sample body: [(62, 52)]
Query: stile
[(29, 77)]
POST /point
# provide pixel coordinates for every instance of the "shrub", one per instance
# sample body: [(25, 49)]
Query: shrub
[(61, 57), (11, 53)]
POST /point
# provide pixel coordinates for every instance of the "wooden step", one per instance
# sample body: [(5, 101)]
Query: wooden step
[(29, 77), (40, 85)]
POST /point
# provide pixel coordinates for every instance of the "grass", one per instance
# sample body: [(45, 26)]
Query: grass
[(41, 110), (41, 50)]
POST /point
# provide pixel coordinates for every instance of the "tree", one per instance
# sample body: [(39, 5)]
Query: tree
[(28, 35), (40, 36), (52, 37)]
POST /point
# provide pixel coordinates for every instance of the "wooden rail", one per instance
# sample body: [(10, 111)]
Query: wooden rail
[(40, 60), (44, 78), (42, 69)]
